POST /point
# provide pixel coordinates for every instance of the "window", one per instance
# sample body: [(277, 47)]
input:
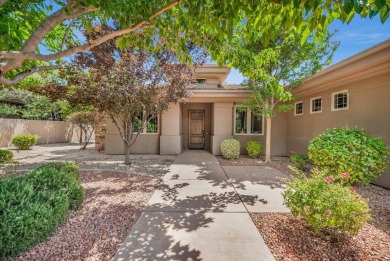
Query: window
[(137, 122), (241, 119), (340, 100), (151, 127), (201, 81), (298, 108), (247, 122), (316, 105)]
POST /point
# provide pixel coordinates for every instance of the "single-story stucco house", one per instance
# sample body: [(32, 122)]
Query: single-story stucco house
[(354, 92)]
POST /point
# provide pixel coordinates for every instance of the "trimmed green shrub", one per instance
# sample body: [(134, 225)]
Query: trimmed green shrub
[(230, 149), (24, 141), (32, 205), (326, 205), (254, 149), (6, 156), (350, 150), (299, 160)]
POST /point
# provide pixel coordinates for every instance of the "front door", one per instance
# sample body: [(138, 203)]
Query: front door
[(196, 129)]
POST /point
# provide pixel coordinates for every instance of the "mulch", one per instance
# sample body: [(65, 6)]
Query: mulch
[(112, 204)]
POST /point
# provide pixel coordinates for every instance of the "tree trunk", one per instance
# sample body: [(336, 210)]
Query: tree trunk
[(127, 154), (81, 136), (268, 140)]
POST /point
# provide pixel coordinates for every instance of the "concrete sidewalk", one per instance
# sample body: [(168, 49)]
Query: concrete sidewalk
[(197, 214)]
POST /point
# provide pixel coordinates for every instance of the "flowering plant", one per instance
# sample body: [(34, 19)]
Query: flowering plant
[(358, 156), (326, 204)]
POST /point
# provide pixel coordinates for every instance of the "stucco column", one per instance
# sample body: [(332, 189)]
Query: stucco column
[(171, 139), (222, 125)]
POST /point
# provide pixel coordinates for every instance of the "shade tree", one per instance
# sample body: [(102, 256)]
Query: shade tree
[(36, 34)]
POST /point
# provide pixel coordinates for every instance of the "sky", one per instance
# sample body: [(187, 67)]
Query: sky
[(354, 38)]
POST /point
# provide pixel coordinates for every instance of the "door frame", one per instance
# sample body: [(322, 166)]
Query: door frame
[(203, 128)]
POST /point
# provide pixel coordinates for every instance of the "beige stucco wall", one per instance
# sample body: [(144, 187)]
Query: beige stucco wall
[(145, 143), (368, 109), (185, 122), (48, 131), (171, 139)]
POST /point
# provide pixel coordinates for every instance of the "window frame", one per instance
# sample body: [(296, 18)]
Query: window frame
[(311, 105), (248, 122), (145, 131), (295, 108), (333, 103), (205, 80)]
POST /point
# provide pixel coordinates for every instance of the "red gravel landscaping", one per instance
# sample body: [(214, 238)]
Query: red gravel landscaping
[(112, 204), (290, 239)]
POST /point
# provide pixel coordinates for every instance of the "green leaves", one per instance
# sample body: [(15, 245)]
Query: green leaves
[(325, 205), (350, 150)]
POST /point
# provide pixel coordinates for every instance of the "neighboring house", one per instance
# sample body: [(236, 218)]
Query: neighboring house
[(354, 92)]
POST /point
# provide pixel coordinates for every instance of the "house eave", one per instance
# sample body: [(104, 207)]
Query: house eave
[(367, 64)]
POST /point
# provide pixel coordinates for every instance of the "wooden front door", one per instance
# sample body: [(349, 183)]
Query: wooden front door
[(196, 129)]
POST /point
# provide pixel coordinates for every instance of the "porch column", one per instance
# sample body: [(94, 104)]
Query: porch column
[(171, 140), (222, 125)]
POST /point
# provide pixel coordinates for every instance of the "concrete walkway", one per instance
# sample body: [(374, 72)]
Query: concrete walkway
[(197, 214)]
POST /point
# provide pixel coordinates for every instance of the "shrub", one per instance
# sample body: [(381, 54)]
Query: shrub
[(32, 205), (230, 149), (299, 160), (254, 149), (352, 151), (326, 205), (24, 141), (6, 156)]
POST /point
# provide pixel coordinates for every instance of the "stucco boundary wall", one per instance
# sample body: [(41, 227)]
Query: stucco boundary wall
[(47, 131)]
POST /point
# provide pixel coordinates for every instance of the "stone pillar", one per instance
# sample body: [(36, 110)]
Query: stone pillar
[(222, 125), (171, 139), (100, 131)]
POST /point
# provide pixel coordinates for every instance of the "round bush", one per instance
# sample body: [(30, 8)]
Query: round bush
[(326, 205), (24, 141), (230, 149), (6, 156), (34, 204), (350, 151), (254, 149)]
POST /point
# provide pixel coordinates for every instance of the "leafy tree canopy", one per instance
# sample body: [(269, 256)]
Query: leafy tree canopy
[(34, 31)]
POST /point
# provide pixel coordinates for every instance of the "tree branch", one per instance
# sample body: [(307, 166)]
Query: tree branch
[(66, 34), (21, 76), (2, 2), (38, 35), (21, 56)]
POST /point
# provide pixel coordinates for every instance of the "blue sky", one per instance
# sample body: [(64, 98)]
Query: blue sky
[(358, 36)]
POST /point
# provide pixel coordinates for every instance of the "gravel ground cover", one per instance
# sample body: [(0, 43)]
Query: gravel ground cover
[(88, 159), (290, 238), (112, 204)]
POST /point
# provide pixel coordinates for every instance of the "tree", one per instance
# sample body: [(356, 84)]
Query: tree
[(34, 33), (131, 86), (273, 68), (85, 123)]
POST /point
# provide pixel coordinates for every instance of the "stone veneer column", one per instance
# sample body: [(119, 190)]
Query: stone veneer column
[(171, 140), (100, 131), (222, 125)]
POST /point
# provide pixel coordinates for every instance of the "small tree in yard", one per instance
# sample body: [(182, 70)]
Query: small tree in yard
[(130, 86), (85, 122), (273, 68)]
